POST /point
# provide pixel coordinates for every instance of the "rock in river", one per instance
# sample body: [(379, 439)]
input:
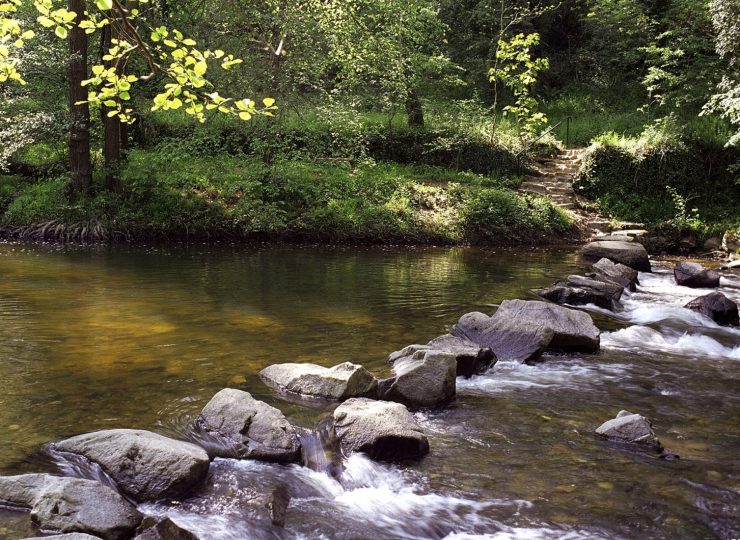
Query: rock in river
[(717, 307), (146, 466), (610, 272), (630, 428), (614, 290), (576, 296), (163, 529), (425, 378), (71, 505), (574, 331), (510, 339), (340, 382), (694, 275), (381, 429), (630, 254), (245, 428), (471, 358), (69, 536)]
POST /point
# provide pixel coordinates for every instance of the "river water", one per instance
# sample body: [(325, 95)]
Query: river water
[(143, 337)]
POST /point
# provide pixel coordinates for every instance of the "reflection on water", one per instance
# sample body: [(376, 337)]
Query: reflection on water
[(144, 337)]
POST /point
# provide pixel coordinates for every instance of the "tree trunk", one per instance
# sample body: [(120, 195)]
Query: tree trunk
[(414, 110), (79, 131), (111, 125)]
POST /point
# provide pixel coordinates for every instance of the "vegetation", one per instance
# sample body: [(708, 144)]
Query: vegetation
[(383, 121)]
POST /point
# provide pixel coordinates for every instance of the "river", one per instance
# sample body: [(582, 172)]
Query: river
[(143, 338)]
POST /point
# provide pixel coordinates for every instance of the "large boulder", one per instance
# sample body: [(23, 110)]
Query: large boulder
[(383, 430), (694, 275), (245, 428), (574, 331), (425, 378), (144, 465), (630, 428), (71, 505), (339, 382), (717, 307), (610, 272), (614, 290), (630, 254), (509, 339), (471, 358), (576, 296)]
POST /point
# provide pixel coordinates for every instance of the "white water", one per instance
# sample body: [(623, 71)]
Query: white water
[(388, 499)]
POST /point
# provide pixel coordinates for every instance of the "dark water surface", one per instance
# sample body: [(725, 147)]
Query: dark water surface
[(142, 338)]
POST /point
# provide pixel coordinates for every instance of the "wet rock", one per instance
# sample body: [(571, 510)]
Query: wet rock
[(245, 428), (70, 536), (144, 465), (71, 505), (575, 296), (339, 382), (717, 307), (630, 254), (630, 428), (153, 528), (610, 272), (509, 339), (614, 290), (277, 505), (574, 331), (426, 378), (383, 430), (471, 358), (694, 275)]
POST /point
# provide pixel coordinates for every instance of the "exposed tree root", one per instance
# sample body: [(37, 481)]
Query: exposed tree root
[(89, 232)]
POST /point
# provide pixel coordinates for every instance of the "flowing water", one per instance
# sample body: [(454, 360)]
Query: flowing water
[(142, 338)]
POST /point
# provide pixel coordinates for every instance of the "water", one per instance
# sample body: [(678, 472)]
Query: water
[(144, 337)]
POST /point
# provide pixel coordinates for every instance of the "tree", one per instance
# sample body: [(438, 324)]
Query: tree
[(79, 109)]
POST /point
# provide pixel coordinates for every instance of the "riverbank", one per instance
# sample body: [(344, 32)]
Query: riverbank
[(223, 197)]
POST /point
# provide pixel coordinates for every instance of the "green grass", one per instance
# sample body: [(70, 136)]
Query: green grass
[(169, 195)]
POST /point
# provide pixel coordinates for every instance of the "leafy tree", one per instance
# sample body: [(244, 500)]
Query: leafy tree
[(516, 68)]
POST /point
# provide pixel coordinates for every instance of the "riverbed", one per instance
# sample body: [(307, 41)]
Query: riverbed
[(143, 338)]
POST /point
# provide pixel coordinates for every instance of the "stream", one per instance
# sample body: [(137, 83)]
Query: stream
[(144, 337)]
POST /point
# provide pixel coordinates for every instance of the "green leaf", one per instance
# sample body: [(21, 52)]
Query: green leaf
[(104, 5), (61, 32)]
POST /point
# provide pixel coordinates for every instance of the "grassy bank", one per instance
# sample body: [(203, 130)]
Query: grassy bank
[(678, 185), (168, 195)]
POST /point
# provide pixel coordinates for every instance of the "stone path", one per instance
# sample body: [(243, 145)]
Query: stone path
[(554, 177)]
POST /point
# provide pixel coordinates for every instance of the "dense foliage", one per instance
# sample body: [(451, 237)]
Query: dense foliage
[(472, 88)]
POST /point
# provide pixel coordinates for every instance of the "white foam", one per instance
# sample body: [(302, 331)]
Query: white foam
[(552, 373), (524, 533), (639, 338)]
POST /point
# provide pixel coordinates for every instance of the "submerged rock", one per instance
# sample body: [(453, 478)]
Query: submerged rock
[(71, 505), (611, 272), (689, 274), (426, 378), (630, 428), (574, 331), (381, 429), (576, 296), (245, 428), (630, 254), (339, 382), (471, 358), (510, 339), (717, 307), (144, 465), (163, 529)]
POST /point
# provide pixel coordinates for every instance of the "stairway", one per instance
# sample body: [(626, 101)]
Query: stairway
[(553, 177)]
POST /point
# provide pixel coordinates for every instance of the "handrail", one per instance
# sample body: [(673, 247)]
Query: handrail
[(549, 130)]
